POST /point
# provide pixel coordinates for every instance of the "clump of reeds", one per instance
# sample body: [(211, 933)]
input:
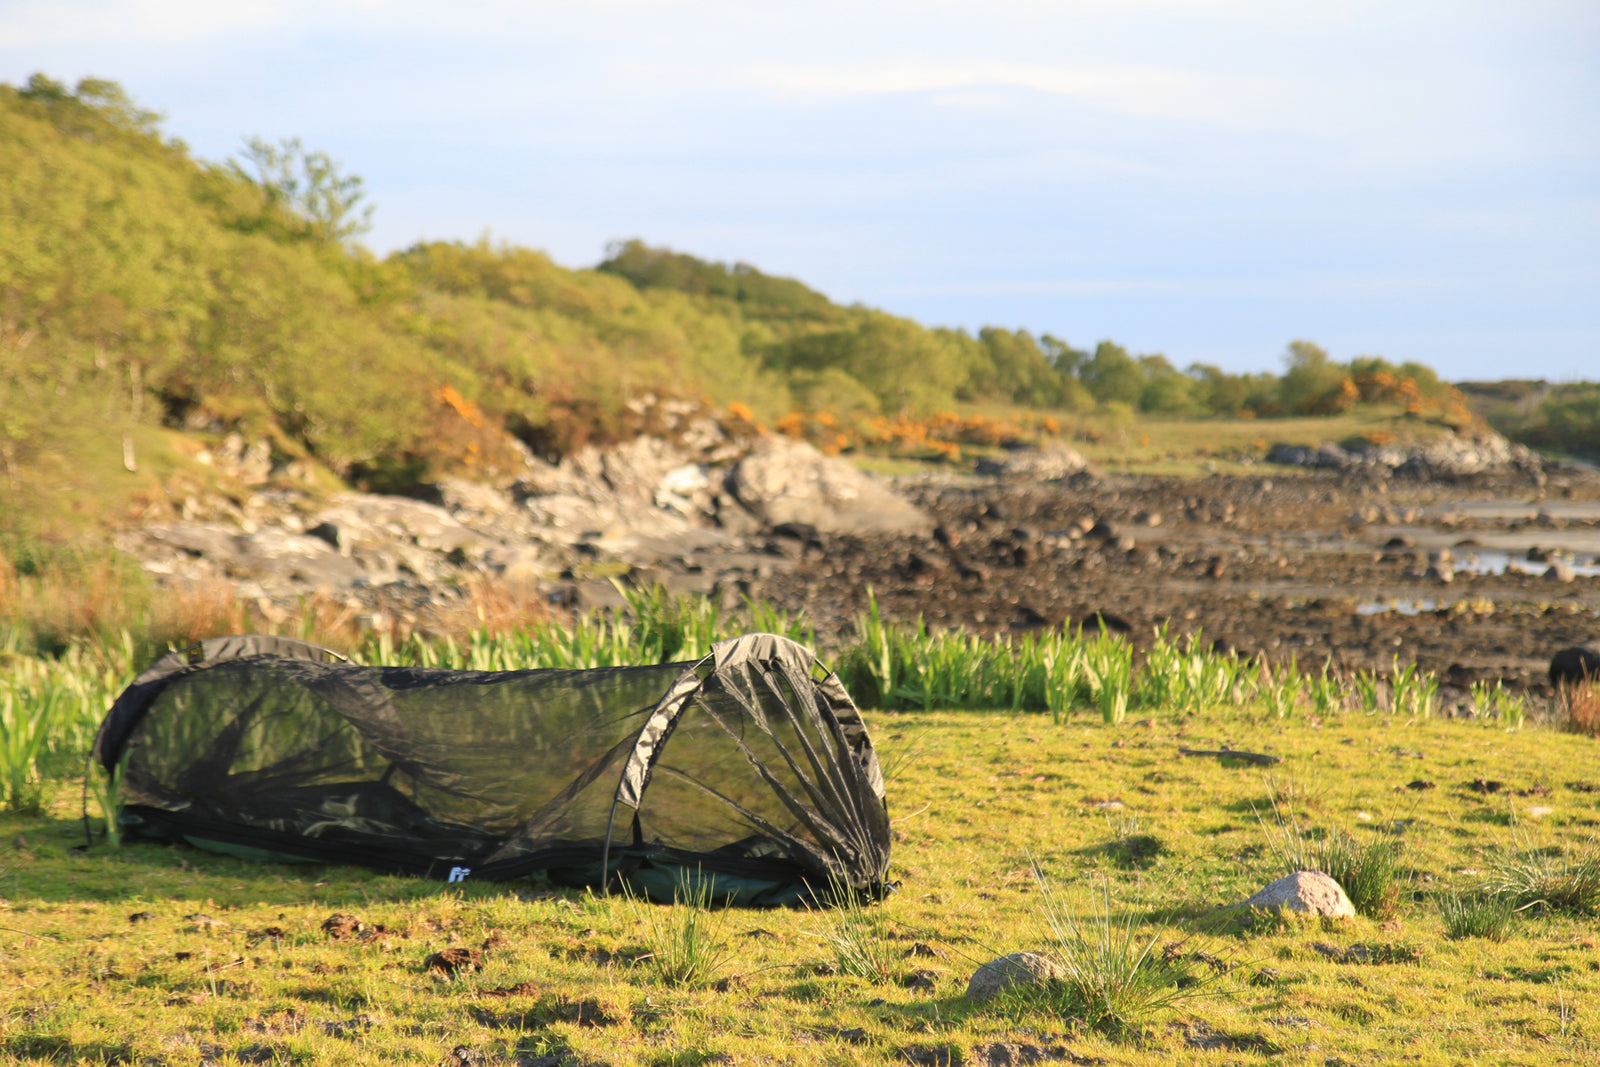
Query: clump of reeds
[(1576, 707)]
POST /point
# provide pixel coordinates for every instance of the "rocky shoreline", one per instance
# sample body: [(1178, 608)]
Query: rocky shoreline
[(1473, 558)]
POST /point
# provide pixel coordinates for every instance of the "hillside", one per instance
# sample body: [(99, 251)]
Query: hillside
[(152, 303)]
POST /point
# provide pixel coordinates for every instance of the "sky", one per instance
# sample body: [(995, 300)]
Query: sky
[(1207, 179)]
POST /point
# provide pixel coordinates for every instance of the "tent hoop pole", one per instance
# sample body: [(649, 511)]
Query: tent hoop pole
[(605, 853)]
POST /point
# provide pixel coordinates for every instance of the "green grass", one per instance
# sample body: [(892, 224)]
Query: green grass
[(987, 799), (1548, 877), (685, 943), (1476, 914), (1117, 976)]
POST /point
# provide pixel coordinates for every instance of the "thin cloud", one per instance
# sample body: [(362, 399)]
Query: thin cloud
[(1358, 285), (46, 23), (1143, 91)]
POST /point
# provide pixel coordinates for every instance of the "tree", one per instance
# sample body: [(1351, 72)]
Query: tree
[(90, 107), (1165, 391), (1113, 375), (1310, 378), (307, 185), (1022, 372)]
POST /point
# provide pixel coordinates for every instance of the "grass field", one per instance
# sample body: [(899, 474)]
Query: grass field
[(157, 955)]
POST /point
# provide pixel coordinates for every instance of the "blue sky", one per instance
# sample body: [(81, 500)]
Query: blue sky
[(1204, 178)]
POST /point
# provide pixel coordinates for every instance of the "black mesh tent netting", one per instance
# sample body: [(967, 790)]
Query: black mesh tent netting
[(750, 767)]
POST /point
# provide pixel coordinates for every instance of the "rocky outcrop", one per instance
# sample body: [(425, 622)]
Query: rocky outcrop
[(782, 480), (692, 512), (1446, 457)]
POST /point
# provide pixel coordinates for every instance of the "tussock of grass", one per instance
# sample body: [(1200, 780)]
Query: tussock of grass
[(857, 934), (1118, 975), (1479, 915), (1546, 878), (687, 942)]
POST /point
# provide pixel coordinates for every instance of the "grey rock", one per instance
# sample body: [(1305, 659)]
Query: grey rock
[(515, 563), (474, 500), (370, 519), (250, 463), (1050, 463), (298, 557), (1306, 891), (783, 480), (1448, 456), (195, 539), (1018, 968), (1560, 572)]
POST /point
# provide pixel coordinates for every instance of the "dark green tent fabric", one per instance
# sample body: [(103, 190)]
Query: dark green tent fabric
[(751, 764)]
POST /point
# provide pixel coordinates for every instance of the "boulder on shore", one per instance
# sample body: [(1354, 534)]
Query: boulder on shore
[(782, 480), (1576, 665)]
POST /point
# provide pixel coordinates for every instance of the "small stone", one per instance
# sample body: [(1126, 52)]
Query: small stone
[(1308, 891), (1019, 968), (1538, 811)]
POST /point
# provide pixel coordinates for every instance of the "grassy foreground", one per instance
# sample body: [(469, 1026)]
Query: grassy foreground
[(156, 955)]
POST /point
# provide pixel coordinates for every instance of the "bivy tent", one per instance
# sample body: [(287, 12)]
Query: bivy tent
[(750, 768)]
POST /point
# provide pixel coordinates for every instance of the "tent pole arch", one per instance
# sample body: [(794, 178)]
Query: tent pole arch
[(852, 827)]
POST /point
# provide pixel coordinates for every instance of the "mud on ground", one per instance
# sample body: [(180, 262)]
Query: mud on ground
[(1477, 579)]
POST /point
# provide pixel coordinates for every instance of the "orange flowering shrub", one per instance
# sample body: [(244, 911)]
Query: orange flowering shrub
[(940, 435)]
